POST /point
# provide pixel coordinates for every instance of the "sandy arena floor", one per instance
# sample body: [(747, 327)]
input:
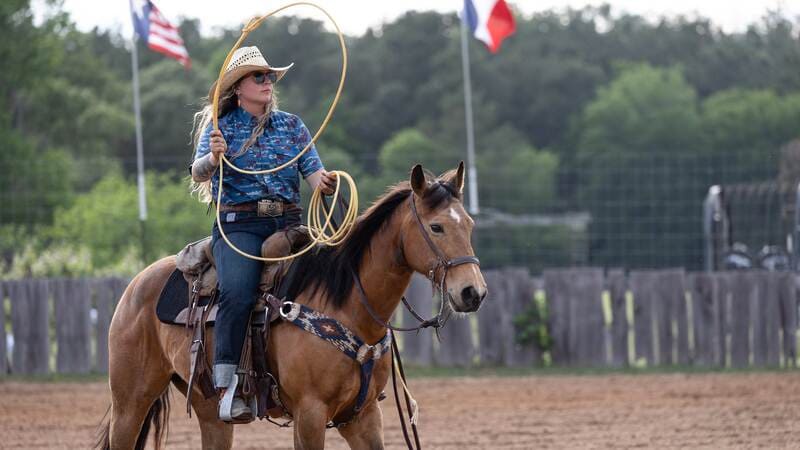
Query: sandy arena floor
[(741, 410)]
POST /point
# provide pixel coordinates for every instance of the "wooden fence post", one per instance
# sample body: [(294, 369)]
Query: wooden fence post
[(492, 332), (72, 303), (706, 316), (772, 316), (789, 319), (743, 289), (556, 286), (511, 292), (642, 287), (104, 302), (617, 287), (680, 316), (766, 320), (4, 366), (520, 298), (455, 348), (574, 297), (418, 346), (30, 325)]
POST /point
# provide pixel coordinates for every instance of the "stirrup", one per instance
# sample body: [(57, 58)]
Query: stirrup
[(226, 405)]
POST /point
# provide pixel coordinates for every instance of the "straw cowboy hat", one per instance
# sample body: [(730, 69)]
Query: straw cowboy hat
[(245, 60)]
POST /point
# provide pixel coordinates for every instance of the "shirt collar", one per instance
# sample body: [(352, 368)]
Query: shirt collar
[(246, 117)]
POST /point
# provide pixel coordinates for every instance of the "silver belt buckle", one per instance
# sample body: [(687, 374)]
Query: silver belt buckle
[(270, 208)]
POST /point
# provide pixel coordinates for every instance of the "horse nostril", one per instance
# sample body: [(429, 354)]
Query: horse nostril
[(483, 295), (470, 296)]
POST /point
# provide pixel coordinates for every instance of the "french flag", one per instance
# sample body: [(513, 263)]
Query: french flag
[(490, 21), (160, 35)]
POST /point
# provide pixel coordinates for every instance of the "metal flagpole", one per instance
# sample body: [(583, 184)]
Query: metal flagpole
[(139, 153), (472, 172)]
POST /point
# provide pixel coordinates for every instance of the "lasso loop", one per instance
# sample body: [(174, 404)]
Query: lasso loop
[(322, 232)]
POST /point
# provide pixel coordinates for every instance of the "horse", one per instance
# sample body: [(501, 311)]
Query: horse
[(417, 225)]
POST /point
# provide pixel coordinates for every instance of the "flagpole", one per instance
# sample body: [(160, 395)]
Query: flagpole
[(472, 172), (137, 110)]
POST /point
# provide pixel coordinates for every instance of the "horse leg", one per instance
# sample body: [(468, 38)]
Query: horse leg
[(309, 426), (214, 433), (366, 432), (132, 398)]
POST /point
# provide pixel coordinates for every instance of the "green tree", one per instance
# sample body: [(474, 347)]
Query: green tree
[(409, 147), (33, 182), (645, 110), (746, 128), (106, 219), (513, 176)]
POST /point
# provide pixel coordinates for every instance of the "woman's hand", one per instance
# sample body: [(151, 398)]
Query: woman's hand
[(218, 146), (328, 182)]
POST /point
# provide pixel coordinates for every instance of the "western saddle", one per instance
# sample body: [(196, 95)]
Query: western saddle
[(196, 262)]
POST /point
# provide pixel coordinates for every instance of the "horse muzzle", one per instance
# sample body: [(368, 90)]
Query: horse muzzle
[(470, 299)]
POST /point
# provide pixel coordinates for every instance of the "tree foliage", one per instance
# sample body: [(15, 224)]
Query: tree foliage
[(588, 109)]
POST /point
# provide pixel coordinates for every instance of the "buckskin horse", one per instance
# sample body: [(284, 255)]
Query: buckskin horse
[(418, 225)]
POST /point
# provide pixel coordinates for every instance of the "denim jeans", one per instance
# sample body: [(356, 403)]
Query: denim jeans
[(238, 285)]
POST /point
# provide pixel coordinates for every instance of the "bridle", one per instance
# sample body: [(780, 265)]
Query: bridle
[(441, 266)]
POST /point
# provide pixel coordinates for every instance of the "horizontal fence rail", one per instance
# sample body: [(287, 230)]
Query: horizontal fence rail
[(589, 317)]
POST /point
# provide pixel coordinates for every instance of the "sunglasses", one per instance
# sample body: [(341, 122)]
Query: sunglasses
[(261, 77)]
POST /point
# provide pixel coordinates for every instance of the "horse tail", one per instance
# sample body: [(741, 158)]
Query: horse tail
[(157, 416), (103, 430)]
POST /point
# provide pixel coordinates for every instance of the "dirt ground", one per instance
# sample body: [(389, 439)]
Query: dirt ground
[(736, 410)]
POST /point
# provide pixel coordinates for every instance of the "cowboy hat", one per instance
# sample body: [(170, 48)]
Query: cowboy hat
[(244, 61)]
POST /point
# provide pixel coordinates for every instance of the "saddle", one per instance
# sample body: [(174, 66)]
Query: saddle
[(195, 262)]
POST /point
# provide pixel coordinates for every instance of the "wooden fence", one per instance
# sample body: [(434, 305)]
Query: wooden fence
[(609, 319), (594, 318), (57, 324)]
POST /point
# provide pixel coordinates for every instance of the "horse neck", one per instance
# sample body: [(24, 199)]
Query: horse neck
[(384, 276)]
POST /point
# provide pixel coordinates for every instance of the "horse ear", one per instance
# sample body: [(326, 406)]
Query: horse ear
[(458, 181), (418, 181)]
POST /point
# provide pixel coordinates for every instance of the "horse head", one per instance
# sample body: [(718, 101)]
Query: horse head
[(437, 238)]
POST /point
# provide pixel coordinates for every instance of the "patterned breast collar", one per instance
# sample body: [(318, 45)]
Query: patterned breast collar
[(331, 330)]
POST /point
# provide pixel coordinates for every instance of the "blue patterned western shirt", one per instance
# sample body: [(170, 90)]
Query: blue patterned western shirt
[(283, 138)]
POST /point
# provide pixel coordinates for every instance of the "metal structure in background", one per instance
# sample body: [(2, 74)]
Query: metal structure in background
[(795, 249), (472, 171), (724, 244)]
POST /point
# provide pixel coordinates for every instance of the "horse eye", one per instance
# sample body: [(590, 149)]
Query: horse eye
[(436, 228)]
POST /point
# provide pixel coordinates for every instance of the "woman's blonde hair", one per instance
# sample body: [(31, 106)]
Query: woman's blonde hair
[(228, 101)]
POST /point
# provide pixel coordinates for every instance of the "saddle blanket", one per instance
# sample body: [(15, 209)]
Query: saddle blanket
[(175, 298)]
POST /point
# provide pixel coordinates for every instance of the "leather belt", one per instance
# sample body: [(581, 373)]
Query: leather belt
[(264, 207)]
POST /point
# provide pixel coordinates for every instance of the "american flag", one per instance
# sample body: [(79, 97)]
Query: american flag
[(154, 29)]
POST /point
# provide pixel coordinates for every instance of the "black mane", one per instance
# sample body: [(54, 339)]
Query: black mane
[(328, 269)]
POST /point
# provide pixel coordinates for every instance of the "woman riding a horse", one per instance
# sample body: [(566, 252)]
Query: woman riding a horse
[(254, 135), (348, 292)]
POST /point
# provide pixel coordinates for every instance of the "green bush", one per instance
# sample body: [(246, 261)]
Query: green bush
[(531, 325), (105, 220), (55, 260)]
